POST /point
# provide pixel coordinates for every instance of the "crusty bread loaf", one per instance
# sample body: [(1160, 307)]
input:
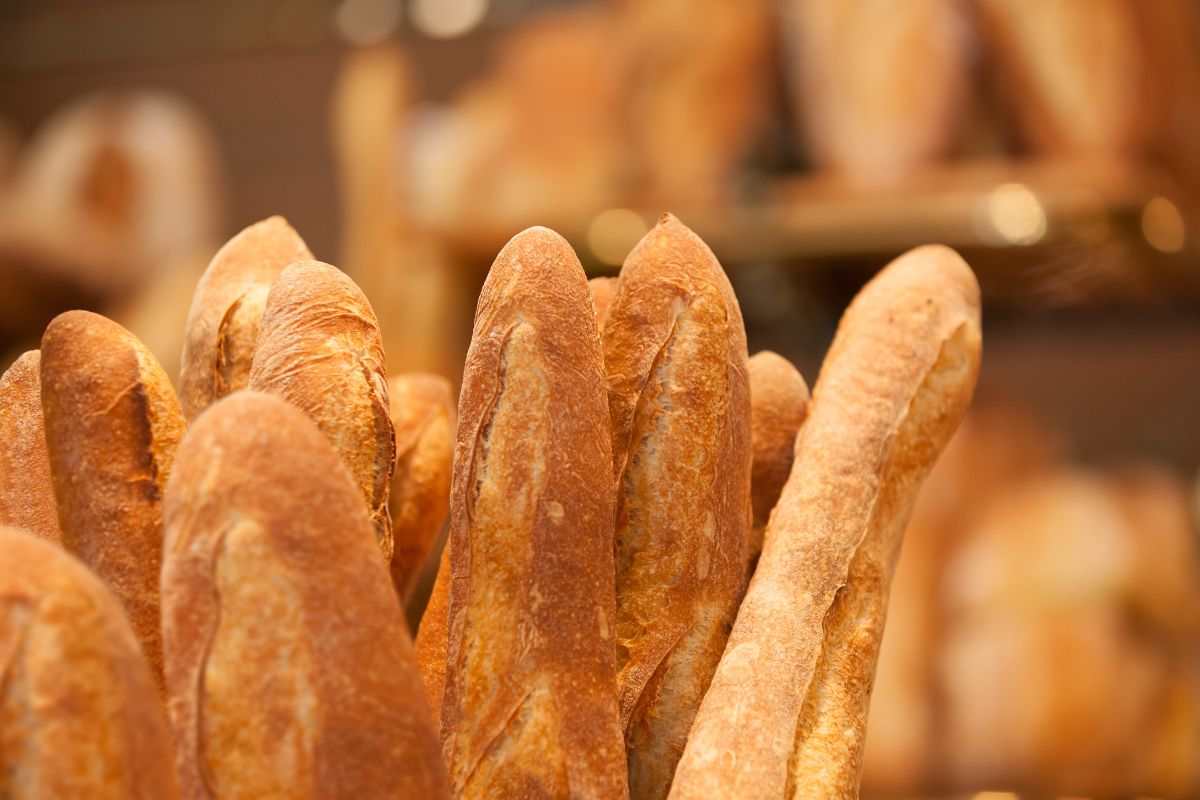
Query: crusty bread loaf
[(530, 705), (675, 351), (422, 410), (112, 425), (432, 635), (320, 349), (603, 290), (227, 308), (79, 713), (778, 406), (289, 668), (787, 708), (26, 490), (1073, 71), (879, 86)]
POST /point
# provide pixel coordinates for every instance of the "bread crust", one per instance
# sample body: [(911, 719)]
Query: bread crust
[(289, 668), (319, 348), (226, 312), (778, 407), (26, 489), (675, 351), (787, 708), (112, 425), (79, 712), (603, 290), (422, 410), (432, 634), (530, 694)]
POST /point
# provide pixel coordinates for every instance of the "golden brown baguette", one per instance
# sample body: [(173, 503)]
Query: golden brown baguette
[(530, 705), (675, 350), (603, 290), (423, 416), (432, 635), (778, 407), (320, 349), (112, 425), (289, 668), (26, 490), (79, 712), (227, 308), (787, 708)]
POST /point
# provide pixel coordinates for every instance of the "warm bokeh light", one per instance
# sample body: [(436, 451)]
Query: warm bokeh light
[(613, 233), (446, 19), (1163, 225), (1016, 214), (994, 796), (367, 22)]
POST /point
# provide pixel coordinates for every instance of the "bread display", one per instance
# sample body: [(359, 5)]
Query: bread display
[(879, 87), (289, 668), (531, 514), (525, 494), (79, 712), (787, 708), (778, 406), (319, 347), (227, 308), (112, 425), (26, 489), (422, 412), (675, 351)]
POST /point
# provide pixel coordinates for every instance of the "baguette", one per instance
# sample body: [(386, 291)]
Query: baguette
[(432, 634), (530, 706), (675, 350), (787, 708), (320, 349), (422, 411), (227, 307), (112, 425), (289, 668), (603, 290), (778, 406), (26, 490), (79, 713)]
